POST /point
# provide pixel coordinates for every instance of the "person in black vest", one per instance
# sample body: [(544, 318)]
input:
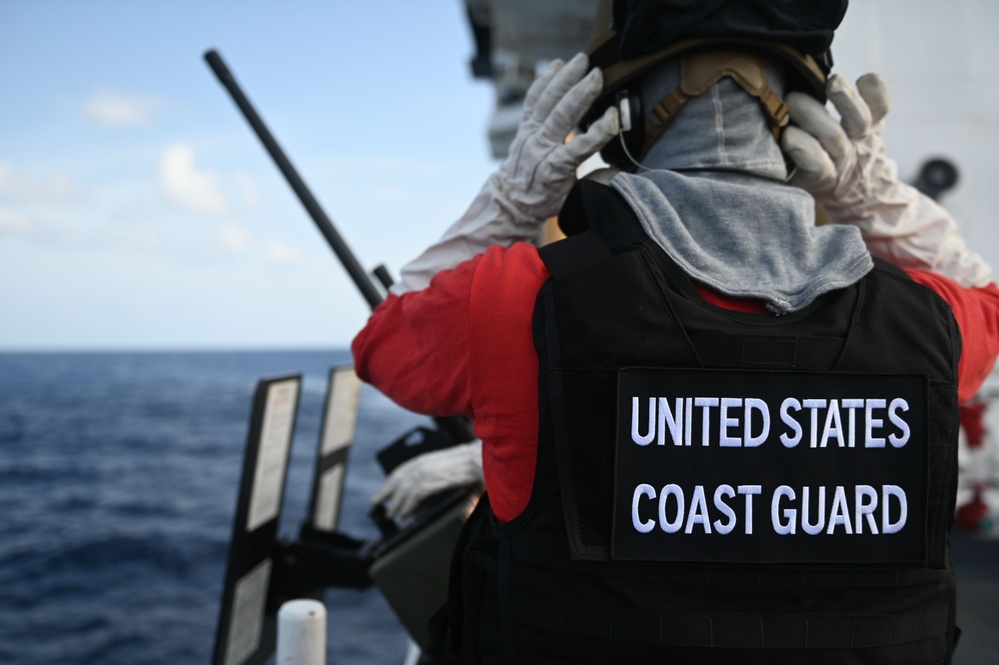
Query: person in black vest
[(711, 431)]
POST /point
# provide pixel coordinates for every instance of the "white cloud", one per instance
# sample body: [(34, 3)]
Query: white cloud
[(112, 108), (56, 188), (188, 187), (147, 239), (235, 239), (62, 188), (386, 165), (12, 220), (245, 185), (282, 253)]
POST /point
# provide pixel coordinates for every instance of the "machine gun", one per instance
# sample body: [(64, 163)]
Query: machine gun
[(409, 563)]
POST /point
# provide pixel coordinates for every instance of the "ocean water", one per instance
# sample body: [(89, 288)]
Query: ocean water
[(119, 474)]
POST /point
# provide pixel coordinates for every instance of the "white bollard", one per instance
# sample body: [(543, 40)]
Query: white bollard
[(301, 633)]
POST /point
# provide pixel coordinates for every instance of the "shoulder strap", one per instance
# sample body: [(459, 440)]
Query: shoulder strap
[(601, 220), (890, 268), (574, 254), (582, 211)]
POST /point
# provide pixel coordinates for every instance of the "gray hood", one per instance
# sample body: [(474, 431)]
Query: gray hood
[(711, 193)]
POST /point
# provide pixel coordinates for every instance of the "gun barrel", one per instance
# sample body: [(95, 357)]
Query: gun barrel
[(456, 426), (350, 263)]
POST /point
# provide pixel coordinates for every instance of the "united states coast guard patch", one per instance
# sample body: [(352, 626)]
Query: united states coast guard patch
[(770, 467)]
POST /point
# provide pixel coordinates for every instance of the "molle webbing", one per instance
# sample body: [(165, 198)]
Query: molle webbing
[(699, 71), (743, 630), (551, 551)]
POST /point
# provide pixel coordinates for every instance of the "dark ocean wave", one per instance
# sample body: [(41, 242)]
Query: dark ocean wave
[(111, 554), (11, 427), (118, 481)]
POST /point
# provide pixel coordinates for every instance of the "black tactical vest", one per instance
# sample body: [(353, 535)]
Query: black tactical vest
[(719, 487)]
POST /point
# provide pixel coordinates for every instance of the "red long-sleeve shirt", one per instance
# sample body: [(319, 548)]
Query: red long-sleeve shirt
[(464, 345)]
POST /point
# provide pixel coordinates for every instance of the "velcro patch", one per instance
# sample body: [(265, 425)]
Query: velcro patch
[(770, 467)]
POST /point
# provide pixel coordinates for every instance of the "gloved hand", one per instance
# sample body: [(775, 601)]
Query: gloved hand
[(844, 166), (410, 483), (534, 179), (541, 167)]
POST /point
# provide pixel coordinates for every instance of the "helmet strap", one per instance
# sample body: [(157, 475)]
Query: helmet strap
[(699, 70)]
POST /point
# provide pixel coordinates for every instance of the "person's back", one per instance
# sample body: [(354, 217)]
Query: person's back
[(711, 431), (716, 486)]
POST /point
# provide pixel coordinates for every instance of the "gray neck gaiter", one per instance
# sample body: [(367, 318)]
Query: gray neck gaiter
[(711, 193)]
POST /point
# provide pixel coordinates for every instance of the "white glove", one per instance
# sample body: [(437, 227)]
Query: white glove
[(534, 179), (410, 483), (844, 166)]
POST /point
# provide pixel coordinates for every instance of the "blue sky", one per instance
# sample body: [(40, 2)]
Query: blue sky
[(138, 210)]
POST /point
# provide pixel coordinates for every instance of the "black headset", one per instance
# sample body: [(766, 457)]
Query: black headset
[(631, 134)]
